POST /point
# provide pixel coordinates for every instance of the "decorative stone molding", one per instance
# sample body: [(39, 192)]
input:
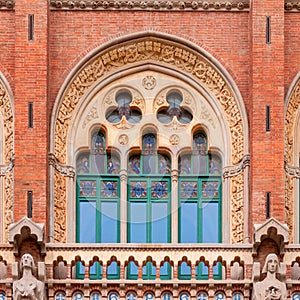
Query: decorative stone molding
[(162, 5), (272, 229), (292, 108), (232, 171), (292, 171), (64, 170), (7, 4), (5, 169), (24, 229), (8, 147), (292, 6), (144, 49)]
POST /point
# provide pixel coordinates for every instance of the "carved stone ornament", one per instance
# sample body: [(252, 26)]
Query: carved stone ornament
[(163, 5), (7, 169), (93, 114), (7, 4), (146, 49), (292, 6), (28, 287), (64, 170), (271, 287), (174, 139), (123, 139), (290, 121), (235, 170), (292, 171), (24, 229), (272, 229), (149, 82)]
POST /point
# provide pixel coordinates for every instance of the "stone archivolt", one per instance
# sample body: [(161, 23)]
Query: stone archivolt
[(291, 171), (149, 50), (7, 168)]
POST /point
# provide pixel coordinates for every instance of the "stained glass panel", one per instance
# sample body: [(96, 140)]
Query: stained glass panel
[(83, 164), (159, 189), (210, 189), (113, 164), (200, 144), (109, 189), (134, 165), (164, 164), (189, 189), (87, 188), (138, 189)]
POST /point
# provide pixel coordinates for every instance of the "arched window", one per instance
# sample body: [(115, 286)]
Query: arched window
[(200, 194), (149, 195), (98, 193)]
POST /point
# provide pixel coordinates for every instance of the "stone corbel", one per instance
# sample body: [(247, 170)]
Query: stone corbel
[(292, 171), (272, 229), (232, 171), (67, 171), (24, 229), (5, 169)]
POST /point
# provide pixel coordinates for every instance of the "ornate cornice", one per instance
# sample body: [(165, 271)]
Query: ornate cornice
[(161, 5), (232, 171), (67, 171), (292, 171), (7, 4)]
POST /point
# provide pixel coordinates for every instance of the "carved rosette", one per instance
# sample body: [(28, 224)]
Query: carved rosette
[(293, 107), (166, 53), (7, 115)]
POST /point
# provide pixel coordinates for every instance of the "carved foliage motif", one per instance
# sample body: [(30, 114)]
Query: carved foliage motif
[(147, 50), (293, 107), (6, 112), (237, 209)]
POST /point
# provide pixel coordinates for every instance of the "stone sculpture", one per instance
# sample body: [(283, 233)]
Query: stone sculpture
[(28, 287), (270, 288)]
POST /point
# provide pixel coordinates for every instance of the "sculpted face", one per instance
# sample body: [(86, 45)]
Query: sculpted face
[(272, 263), (27, 261)]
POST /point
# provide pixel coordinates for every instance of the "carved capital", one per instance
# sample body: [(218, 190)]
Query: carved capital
[(67, 171)]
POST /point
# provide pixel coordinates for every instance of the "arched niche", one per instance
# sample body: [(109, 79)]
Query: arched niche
[(292, 157), (6, 157), (171, 59)]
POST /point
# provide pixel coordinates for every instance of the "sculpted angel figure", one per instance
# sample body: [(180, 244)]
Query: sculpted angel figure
[(28, 287), (270, 288)]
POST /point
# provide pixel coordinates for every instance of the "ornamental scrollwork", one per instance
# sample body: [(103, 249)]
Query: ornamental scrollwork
[(7, 169), (7, 4), (93, 114), (290, 119)]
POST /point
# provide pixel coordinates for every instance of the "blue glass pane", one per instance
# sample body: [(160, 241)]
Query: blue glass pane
[(131, 296), (60, 296), (112, 269), (202, 296), (87, 221), (210, 222), (93, 269), (133, 268), (95, 296), (188, 222), (109, 222), (238, 296), (159, 223), (203, 269), (138, 219), (185, 269), (296, 296), (167, 296), (2, 296), (184, 296), (220, 296), (164, 269), (113, 296)]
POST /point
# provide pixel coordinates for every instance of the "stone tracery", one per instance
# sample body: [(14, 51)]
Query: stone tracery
[(148, 50)]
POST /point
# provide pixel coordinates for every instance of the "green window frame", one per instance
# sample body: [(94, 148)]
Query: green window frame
[(96, 270), (184, 271), (99, 198), (165, 271), (149, 271), (198, 193), (113, 270), (217, 271), (132, 270), (202, 271), (150, 194), (79, 270)]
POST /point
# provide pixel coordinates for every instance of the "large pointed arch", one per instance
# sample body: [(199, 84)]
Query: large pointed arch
[(163, 52), (292, 157), (6, 156)]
